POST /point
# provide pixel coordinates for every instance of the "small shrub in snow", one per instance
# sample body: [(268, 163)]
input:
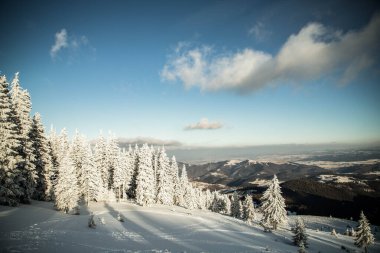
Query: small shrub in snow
[(91, 222), (120, 218), (333, 232), (300, 236)]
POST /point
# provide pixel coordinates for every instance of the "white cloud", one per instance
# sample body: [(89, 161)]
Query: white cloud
[(72, 43), (204, 124), (60, 42), (313, 53)]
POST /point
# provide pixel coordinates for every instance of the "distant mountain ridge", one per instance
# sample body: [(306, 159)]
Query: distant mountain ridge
[(235, 173)]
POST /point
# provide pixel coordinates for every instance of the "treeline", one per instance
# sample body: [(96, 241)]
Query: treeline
[(50, 167)]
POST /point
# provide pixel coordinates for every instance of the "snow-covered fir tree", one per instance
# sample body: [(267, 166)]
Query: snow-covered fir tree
[(10, 174), (181, 191), (248, 210), (164, 180), (53, 142), (77, 154), (300, 236), (113, 158), (145, 177), (236, 206), (228, 204), (119, 173), (66, 191), (42, 159), (21, 107), (133, 184), (129, 169), (91, 183), (101, 159), (173, 175), (273, 206), (364, 236)]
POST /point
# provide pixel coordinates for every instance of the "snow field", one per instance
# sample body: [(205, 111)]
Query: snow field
[(39, 228)]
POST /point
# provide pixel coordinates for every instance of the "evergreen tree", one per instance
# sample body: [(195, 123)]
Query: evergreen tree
[(364, 236), (53, 142), (228, 204), (119, 173), (248, 210), (236, 206), (129, 169), (21, 107), (181, 191), (101, 160), (135, 173), (77, 154), (66, 190), (273, 205), (164, 180), (145, 177), (10, 174), (113, 159), (301, 248), (175, 182), (300, 236), (91, 181), (42, 159)]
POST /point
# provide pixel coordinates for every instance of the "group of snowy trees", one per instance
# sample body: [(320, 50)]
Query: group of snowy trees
[(24, 153)]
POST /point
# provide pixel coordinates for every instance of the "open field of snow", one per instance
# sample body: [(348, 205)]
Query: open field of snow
[(39, 228)]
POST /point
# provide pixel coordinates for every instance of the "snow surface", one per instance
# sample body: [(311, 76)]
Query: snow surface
[(39, 228)]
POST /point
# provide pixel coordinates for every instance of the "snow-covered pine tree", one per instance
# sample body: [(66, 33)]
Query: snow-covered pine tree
[(248, 210), (77, 153), (113, 158), (129, 169), (145, 177), (53, 142), (228, 204), (181, 191), (273, 206), (101, 159), (133, 184), (21, 107), (63, 145), (91, 183), (10, 175), (42, 159), (164, 179), (66, 191), (236, 206), (119, 173), (364, 236), (300, 236), (175, 181)]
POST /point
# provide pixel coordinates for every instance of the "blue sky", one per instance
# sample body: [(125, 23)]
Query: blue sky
[(201, 73)]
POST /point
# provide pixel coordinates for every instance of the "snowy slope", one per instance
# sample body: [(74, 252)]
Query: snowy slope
[(39, 228)]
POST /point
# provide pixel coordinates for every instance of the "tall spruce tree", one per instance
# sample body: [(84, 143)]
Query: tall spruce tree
[(10, 174), (91, 183), (66, 189), (21, 107), (42, 159), (101, 159), (145, 177), (164, 179), (273, 206), (364, 236), (53, 142)]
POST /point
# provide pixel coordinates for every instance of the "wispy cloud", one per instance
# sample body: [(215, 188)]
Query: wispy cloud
[(71, 43), (60, 43), (259, 32), (204, 124), (314, 52)]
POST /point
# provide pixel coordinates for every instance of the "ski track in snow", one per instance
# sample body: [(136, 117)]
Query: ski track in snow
[(39, 228)]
